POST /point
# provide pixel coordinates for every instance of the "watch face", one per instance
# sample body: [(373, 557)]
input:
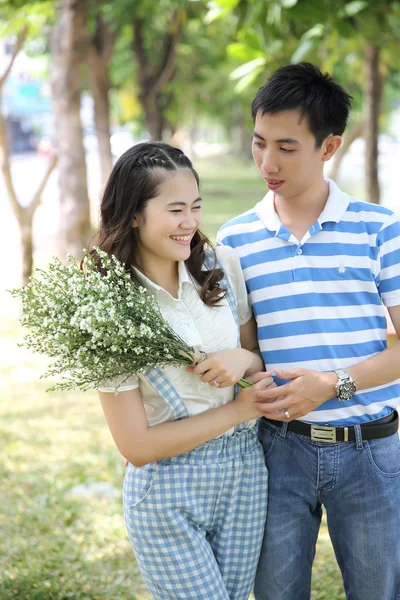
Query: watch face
[(347, 389)]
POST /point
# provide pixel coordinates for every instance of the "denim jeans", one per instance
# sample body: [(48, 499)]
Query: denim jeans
[(359, 485)]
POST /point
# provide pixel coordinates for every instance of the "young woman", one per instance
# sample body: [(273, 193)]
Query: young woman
[(195, 491)]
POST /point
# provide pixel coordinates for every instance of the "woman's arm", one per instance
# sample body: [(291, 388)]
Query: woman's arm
[(140, 444)]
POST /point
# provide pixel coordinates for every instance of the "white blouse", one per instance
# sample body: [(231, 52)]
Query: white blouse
[(211, 329)]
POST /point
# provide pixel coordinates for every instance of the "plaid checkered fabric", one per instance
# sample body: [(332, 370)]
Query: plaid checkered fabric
[(196, 521), (167, 390)]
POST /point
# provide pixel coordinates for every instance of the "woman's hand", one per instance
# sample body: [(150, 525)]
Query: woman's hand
[(246, 397), (224, 369)]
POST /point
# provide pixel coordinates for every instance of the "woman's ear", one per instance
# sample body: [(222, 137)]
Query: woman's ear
[(135, 222)]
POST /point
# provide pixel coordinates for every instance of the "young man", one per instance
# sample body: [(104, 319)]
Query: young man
[(319, 266)]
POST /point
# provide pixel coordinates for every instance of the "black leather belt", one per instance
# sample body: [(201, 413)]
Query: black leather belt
[(372, 430)]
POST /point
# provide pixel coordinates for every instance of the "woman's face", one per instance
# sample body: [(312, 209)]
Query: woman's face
[(169, 221)]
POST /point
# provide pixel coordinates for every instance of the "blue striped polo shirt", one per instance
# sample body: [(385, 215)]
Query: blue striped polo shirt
[(319, 303)]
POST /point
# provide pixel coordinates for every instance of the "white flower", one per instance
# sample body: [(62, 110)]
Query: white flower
[(95, 326)]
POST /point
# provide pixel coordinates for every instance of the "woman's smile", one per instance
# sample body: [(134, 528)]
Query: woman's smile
[(182, 239)]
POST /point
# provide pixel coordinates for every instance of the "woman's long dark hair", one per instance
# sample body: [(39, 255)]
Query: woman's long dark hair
[(137, 177)]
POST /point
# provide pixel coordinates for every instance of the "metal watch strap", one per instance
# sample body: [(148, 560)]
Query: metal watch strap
[(346, 381), (342, 374)]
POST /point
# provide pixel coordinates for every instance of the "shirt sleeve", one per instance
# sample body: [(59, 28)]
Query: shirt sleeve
[(232, 268), (130, 383), (221, 239), (388, 242)]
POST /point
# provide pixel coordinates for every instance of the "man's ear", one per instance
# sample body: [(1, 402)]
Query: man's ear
[(330, 145)]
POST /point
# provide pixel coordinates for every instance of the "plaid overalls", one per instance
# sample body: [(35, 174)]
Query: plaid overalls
[(196, 521)]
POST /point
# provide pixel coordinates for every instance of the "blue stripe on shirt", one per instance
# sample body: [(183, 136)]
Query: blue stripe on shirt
[(314, 300), (314, 326), (322, 352), (359, 234), (308, 274)]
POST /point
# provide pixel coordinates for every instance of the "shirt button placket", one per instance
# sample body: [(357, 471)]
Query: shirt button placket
[(296, 265)]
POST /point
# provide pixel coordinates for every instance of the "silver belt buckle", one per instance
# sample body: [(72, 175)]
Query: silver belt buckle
[(320, 433)]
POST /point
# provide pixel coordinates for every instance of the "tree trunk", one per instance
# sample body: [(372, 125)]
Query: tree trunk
[(372, 104), (154, 117), (99, 83), (239, 132), (68, 54), (99, 55), (27, 245), (23, 214), (153, 79), (353, 133)]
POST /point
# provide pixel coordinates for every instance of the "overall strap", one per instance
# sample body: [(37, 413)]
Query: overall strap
[(157, 378), (211, 262)]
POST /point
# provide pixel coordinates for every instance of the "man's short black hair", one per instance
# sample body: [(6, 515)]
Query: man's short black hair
[(316, 95)]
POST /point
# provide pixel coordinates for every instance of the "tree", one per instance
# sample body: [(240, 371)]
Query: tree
[(337, 34), (68, 50), (350, 136), (372, 110), (154, 75), (23, 214), (100, 48), (202, 90)]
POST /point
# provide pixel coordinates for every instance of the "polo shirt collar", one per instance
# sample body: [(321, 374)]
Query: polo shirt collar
[(265, 210), (335, 206), (334, 209), (155, 289)]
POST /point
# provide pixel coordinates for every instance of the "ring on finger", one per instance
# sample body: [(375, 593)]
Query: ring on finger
[(216, 383), (286, 413)]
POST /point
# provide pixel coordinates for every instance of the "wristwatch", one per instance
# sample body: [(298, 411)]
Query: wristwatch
[(345, 387)]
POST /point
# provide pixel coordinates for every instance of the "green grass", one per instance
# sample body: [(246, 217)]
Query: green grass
[(53, 546), (228, 188)]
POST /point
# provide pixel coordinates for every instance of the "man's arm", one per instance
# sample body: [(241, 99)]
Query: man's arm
[(383, 367), (309, 389)]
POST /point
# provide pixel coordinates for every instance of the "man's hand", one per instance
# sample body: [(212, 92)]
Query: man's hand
[(306, 391)]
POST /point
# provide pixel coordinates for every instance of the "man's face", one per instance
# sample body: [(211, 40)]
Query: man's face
[(285, 152)]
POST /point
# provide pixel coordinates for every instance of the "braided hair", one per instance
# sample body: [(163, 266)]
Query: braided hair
[(137, 177)]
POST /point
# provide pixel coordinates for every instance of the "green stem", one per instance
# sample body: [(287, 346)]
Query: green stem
[(243, 383)]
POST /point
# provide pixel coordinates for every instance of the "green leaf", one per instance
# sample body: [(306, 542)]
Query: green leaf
[(255, 14), (227, 4), (346, 30), (252, 40), (288, 3), (303, 49), (218, 9), (248, 68), (275, 47), (243, 52), (248, 79), (214, 13), (353, 8), (274, 15), (315, 32)]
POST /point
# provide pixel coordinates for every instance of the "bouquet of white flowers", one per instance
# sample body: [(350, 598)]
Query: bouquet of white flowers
[(98, 326)]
